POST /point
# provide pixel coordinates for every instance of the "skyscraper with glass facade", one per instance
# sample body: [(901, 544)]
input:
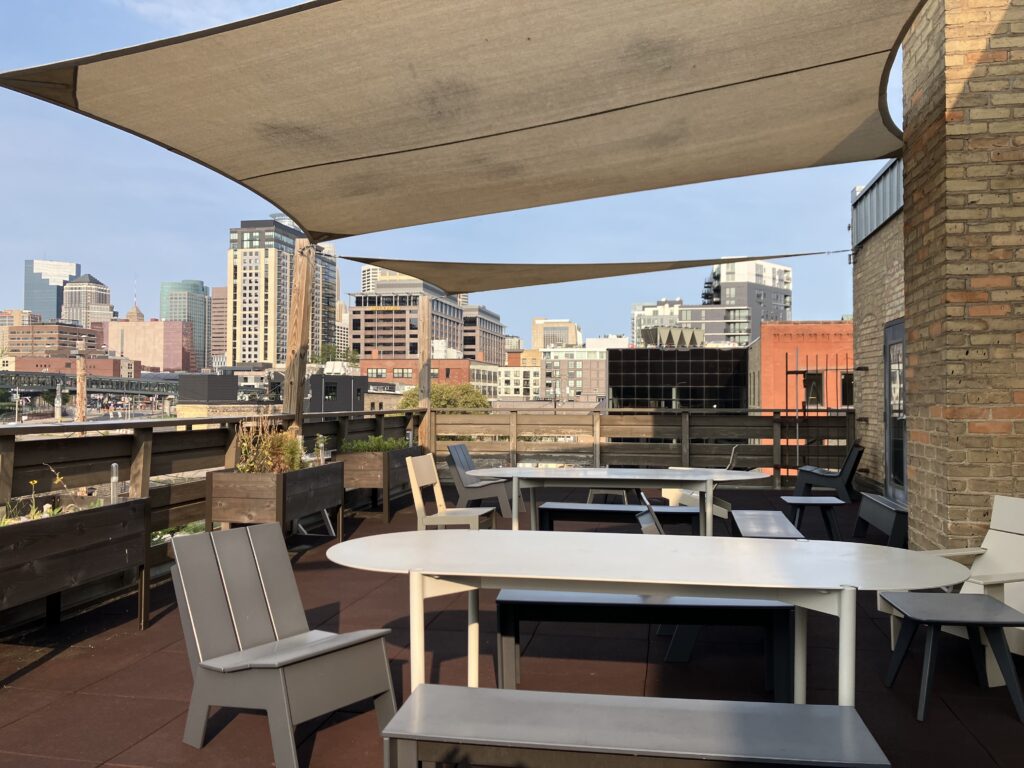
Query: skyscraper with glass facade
[(44, 286), (189, 300)]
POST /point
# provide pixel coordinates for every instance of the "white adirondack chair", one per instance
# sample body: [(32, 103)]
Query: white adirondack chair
[(997, 569)]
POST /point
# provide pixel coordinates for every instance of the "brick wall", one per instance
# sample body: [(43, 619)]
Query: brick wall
[(877, 300), (964, 232)]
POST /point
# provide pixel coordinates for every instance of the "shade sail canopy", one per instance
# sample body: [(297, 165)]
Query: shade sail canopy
[(357, 116), (473, 277)]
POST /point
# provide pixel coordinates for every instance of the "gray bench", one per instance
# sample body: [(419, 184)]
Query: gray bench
[(763, 524), (550, 512), (688, 614), (483, 726), (887, 515)]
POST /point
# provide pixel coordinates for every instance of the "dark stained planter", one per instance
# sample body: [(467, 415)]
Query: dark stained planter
[(40, 558), (274, 497), (383, 472)]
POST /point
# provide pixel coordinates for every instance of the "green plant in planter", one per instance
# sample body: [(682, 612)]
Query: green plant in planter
[(373, 444), (262, 448)]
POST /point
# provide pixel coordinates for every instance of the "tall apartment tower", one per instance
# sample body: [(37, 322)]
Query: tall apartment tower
[(483, 336), (260, 266), (218, 326), (86, 301), (555, 333), (763, 287), (189, 301), (44, 286)]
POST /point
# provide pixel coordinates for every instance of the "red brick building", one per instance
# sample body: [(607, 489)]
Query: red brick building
[(806, 365)]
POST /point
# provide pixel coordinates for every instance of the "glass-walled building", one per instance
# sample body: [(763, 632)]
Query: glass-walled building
[(44, 286), (675, 379), (189, 301)]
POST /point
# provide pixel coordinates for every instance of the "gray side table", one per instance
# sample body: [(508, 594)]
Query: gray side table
[(978, 613), (825, 504)]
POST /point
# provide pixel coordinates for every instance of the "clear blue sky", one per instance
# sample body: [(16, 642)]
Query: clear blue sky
[(134, 214)]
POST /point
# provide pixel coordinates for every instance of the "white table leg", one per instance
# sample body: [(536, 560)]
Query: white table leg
[(847, 645), (534, 515), (515, 502), (799, 655), (473, 640), (709, 508), (417, 631)]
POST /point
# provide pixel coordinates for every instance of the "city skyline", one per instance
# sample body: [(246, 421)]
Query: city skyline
[(105, 170)]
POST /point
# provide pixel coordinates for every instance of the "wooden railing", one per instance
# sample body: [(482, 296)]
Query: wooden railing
[(780, 441), (45, 459)]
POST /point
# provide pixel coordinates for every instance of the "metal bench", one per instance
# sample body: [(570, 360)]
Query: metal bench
[(550, 512), (763, 524), (887, 515), (482, 726), (518, 605)]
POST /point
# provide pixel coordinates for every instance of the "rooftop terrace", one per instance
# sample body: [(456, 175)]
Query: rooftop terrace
[(97, 691)]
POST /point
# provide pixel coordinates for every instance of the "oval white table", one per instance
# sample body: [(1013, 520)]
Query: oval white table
[(687, 478), (811, 575)]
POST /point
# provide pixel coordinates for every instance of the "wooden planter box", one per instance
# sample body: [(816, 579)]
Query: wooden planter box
[(383, 472), (273, 497), (40, 558)]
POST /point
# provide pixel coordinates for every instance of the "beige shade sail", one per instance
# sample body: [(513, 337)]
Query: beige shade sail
[(474, 277), (360, 115)]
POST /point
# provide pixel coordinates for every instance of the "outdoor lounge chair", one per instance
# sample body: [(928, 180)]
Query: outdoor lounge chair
[(473, 488), (840, 481), (423, 473), (997, 569), (249, 644)]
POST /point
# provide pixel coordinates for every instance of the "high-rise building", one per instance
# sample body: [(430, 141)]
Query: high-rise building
[(385, 322), (189, 301), (766, 289), (260, 264), (483, 335), (555, 333), (218, 326), (44, 286), (343, 326), (86, 301)]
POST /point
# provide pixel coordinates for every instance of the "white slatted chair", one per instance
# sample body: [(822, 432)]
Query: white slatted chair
[(423, 473), (678, 498), (249, 645), (997, 569)]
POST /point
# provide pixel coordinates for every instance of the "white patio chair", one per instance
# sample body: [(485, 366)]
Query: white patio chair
[(997, 569), (423, 473)]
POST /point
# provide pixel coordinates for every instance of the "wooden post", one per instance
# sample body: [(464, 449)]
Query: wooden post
[(80, 384), (597, 438), (231, 449), (138, 488), (684, 438), (424, 436), (6, 469), (299, 311), (513, 437)]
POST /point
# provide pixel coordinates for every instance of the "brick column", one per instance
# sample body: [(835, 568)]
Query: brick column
[(964, 261)]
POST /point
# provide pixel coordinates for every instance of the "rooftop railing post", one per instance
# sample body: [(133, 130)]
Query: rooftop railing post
[(138, 488), (776, 449), (513, 438), (597, 438)]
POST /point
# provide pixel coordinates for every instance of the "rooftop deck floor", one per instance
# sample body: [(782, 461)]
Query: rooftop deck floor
[(96, 691)]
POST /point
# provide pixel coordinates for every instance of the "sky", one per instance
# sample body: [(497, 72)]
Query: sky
[(134, 214)]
